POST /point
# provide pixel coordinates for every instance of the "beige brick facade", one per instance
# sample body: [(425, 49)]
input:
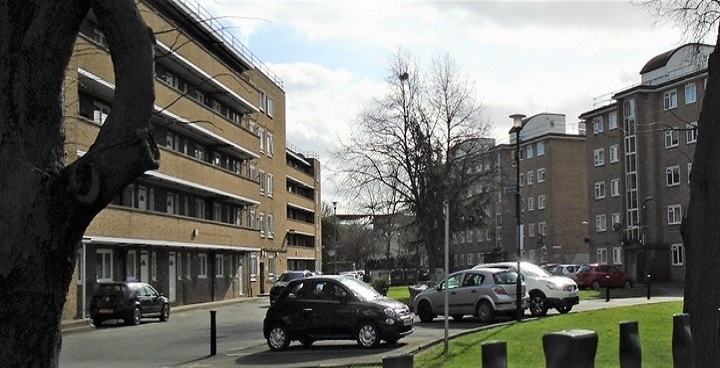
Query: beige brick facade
[(230, 206)]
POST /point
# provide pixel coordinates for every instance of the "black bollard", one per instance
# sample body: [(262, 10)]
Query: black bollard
[(398, 361), (573, 348), (682, 342), (213, 333), (494, 354), (649, 280), (630, 348), (607, 288)]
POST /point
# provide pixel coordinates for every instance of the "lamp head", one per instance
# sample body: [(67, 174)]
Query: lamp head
[(517, 120)]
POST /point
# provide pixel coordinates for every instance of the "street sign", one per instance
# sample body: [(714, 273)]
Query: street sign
[(511, 189)]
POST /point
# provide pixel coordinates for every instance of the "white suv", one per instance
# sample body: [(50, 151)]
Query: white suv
[(546, 290)]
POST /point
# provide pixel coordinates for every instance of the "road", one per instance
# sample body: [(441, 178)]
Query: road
[(184, 341)]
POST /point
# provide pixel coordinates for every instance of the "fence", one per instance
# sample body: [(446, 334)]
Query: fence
[(577, 348)]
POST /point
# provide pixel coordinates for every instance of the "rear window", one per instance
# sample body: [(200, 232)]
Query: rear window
[(110, 290), (505, 277)]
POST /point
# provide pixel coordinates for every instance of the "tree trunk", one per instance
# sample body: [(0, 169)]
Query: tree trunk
[(44, 206), (701, 228)]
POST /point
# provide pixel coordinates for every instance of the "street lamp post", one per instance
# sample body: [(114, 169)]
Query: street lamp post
[(335, 246), (517, 127)]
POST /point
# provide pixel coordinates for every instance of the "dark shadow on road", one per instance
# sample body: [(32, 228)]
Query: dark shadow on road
[(316, 354)]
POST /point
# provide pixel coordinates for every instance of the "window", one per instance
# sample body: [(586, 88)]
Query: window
[(672, 176), (614, 153), (272, 269), (542, 228), (529, 151), (131, 266), (670, 99), (600, 190), (531, 230), (541, 202), (261, 134), (691, 133), (100, 112), (261, 223), (615, 219), (599, 157), (612, 120), (271, 226), (598, 125), (614, 187), (671, 138), (153, 265), (531, 203), (270, 184), (522, 179), (690, 93), (674, 214), (252, 219), (253, 267), (104, 265), (180, 264), (270, 145), (219, 265), (540, 148), (202, 265), (188, 267), (530, 177), (678, 254), (541, 175), (261, 180), (602, 255), (200, 208), (600, 223), (617, 255), (689, 170)]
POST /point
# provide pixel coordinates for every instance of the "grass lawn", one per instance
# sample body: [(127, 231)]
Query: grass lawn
[(524, 340)]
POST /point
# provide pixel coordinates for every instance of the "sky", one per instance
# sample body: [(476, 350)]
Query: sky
[(523, 57)]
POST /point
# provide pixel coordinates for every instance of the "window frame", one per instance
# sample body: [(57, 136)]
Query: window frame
[(670, 99)]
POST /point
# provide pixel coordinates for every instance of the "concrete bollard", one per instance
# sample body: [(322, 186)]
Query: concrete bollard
[(573, 348), (494, 354), (682, 343), (630, 348), (398, 361)]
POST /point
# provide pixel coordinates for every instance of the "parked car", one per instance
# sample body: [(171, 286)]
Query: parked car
[(334, 307), (568, 270), (129, 301), (597, 276), (545, 289), (283, 280), (482, 292)]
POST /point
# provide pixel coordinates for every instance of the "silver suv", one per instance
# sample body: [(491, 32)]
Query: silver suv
[(546, 290)]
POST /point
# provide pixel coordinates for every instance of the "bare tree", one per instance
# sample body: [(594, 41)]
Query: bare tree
[(413, 148), (701, 225), (47, 206)]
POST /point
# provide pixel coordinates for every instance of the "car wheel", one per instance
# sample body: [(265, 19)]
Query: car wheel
[(458, 317), (368, 335), (135, 317), (278, 338), (425, 312), (485, 312), (537, 305), (97, 321), (595, 285), (165, 313), (564, 309), (628, 284)]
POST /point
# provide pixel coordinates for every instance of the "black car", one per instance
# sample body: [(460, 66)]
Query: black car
[(283, 280), (335, 308), (129, 301)]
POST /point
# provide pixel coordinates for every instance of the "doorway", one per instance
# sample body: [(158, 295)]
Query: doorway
[(172, 277), (144, 273), (262, 278)]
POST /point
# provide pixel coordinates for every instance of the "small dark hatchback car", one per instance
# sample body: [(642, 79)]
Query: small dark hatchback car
[(129, 301), (335, 308)]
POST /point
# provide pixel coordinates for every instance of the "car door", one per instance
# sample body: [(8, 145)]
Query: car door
[(456, 296), (148, 299), (296, 308), (335, 312), (469, 293)]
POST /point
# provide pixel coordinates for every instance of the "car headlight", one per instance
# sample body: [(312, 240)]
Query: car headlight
[(551, 285), (390, 312)]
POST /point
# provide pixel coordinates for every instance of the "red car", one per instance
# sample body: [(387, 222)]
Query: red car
[(597, 276)]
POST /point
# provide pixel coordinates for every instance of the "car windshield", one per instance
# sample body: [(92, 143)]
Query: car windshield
[(532, 270), (584, 269), (285, 277), (360, 288)]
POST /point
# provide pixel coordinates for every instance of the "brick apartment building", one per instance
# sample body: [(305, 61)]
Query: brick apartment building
[(552, 194), (639, 157), (231, 206)]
